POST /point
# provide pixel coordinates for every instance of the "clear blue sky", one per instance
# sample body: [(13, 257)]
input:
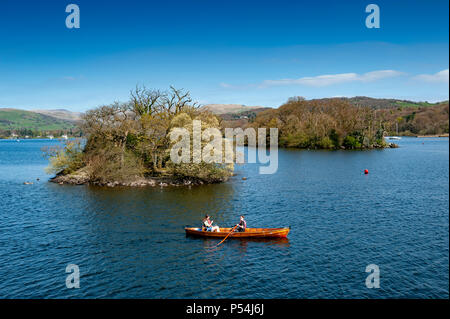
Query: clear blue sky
[(247, 52)]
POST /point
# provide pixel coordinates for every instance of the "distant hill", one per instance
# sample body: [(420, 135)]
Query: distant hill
[(231, 108), (14, 119), (236, 111), (61, 114), (233, 115), (387, 103)]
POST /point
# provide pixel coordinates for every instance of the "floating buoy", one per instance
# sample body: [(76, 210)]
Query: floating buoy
[(366, 171)]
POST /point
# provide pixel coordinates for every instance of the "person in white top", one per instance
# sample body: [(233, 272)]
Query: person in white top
[(208, 225)]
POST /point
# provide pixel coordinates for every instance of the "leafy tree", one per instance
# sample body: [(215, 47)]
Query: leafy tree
[(130, 140)]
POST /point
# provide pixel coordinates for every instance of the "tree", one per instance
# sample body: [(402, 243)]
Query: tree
[(131, 139)]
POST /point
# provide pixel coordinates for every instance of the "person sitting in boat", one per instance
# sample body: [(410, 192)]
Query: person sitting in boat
[(208, 225), (242, 225)]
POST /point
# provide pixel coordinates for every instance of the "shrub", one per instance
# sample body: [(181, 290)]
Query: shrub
[(65, 160), (295, 140), (351, 142), (334, 136), (326, 143), (111, 164), (208, 172)]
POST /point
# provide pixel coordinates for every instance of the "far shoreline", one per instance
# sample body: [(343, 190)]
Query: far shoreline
[(433, 135)]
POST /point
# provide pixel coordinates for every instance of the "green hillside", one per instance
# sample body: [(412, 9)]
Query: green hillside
[(387, 103), (12, 119)]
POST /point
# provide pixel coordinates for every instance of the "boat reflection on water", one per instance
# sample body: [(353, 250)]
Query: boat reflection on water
[(210, 244), (242, 244)]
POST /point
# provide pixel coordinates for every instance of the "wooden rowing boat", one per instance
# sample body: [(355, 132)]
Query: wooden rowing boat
[(249, 232)]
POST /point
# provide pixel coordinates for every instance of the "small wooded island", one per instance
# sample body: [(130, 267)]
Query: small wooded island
[(325, 124), (128, 143)]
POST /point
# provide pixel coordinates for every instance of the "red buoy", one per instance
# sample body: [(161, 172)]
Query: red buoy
[(366, 171)]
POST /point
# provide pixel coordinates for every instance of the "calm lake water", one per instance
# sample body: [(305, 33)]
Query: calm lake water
[(130, 243)]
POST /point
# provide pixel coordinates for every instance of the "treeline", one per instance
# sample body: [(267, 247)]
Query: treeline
[(343, 123), (126, 141), (412, 121), (31, 133), (324, 124), (377, 103)]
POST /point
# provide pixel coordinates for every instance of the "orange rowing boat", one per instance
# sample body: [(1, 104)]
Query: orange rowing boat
[(249, 232)]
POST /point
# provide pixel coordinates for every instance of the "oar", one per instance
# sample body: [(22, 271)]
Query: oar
[(227, 235)]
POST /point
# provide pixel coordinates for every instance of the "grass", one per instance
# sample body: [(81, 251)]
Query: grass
[(18, 119)]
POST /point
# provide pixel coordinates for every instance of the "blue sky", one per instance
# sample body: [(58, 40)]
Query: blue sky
[(245, 52)]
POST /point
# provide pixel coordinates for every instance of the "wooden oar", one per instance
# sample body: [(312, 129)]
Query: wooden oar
[(227, 235)]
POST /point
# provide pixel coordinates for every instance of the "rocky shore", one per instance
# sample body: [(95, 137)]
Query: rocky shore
[(392, 145), (80, 177)]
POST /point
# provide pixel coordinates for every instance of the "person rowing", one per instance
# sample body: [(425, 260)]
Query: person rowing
[(242, 225), (208, 225)]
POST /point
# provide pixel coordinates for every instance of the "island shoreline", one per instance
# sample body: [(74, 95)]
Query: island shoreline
[(74, 179)]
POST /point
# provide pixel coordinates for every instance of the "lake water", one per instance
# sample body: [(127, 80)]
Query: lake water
[(130, 243)]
